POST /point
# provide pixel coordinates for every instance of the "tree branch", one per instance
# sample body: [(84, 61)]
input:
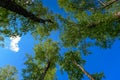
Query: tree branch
[(83, 70), (14, 7), (45, 70), (109, 3), (115, 17)]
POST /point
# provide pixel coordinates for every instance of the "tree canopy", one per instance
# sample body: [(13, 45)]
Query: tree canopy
[(88, 23)]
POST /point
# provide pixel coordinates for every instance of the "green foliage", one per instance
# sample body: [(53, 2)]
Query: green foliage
[(76, 5), (98, 76), (3, 17), (39, 11), (67, 64), (45, 53), (9, 21), (8, 73), (85, 20), (102, 27), (13, 24), (45, 30), (34, 70), (2, 41), (99, 25), (47, 50)]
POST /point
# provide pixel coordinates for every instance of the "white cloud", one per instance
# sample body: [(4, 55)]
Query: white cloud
[(14, 43)]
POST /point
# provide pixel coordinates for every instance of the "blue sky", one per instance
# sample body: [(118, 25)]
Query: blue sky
[(101, 60), (17, 59), (105, 60)]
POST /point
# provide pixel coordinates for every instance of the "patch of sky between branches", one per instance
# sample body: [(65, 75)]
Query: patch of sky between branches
[(54, 7)]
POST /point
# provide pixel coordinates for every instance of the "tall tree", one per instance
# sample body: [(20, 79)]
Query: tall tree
[(89, 20), (43, 65)]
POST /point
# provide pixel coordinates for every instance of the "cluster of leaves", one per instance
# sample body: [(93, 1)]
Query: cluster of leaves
[(43, 64), (8, 73), (67, 64), (98, 76), (76, 5)]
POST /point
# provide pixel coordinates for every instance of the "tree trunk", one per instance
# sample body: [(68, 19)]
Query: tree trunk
[(83, 70), (14, 7), (42, 77)]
